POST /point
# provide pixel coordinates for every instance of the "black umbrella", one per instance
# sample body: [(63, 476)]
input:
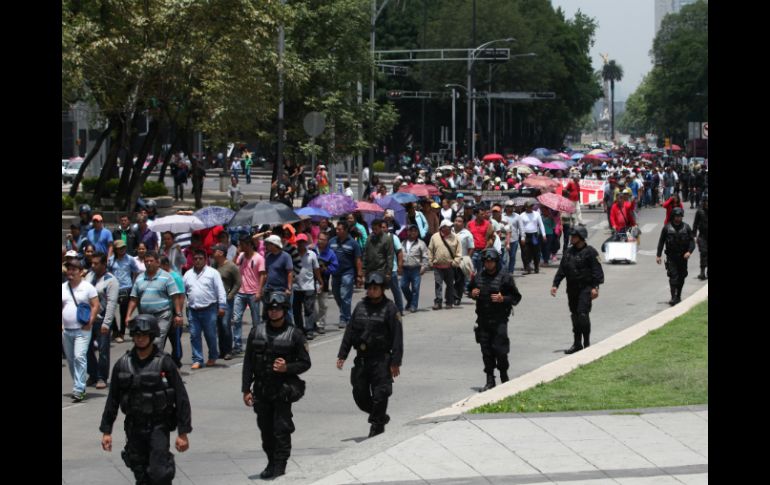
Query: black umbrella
[(264, 212)]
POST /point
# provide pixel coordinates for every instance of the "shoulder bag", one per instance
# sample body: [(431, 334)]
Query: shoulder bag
[(83, 309)]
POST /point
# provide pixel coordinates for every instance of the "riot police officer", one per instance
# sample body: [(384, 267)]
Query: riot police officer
[(148, 389), (677, 236), (496, 294), (376, 333), (581, 266), (276, 353), (700, 228)]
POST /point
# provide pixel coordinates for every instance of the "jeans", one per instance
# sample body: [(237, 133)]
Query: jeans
[(342, 289), (239, 305), (512, 255), (304, 309), (410, 285), (248, 174), (75, 348), (565, 233), (164, 323), (224, 331), (322, 307), (476, 259), (98, 369), (394, 288), (204, 320)]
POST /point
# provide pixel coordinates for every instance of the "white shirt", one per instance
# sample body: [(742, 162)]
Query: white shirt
[(446, 214), (204, 288), (83, 293), (305, 281), (515, 225), (349, 193), (532, 222)]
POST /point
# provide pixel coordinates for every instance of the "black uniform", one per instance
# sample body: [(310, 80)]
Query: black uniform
[(274, 392), (492, 319), (584, 272), (678, 241), (700, 228), (151, 394), (376, 333)]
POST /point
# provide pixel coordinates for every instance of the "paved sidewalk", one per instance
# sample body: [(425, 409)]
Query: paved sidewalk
[(652, 446)]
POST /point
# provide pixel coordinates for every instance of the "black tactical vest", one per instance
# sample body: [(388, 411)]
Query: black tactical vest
[(677, 242), (577, 265), (371, 332), (267, 350), (145, 391), (489, 285)]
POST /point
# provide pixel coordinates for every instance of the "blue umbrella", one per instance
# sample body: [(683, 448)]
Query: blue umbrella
[(313, 212), (214, 216), (387, 203), (404, 197), (577, 156), (540, 152)]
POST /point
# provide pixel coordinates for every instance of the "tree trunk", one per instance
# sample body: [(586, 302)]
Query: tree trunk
[(111, 160), (138, 177), (75, 183), (612, 110), (128, 140)]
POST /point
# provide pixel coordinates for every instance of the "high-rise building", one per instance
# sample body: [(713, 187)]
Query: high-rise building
[(664, 7)]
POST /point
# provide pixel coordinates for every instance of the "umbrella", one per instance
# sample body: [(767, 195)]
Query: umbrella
[(418, 190), (334, 204), (522, 168), (563, 155), (404, 197), (264, 212), (540, 152), (532, 161), (520, 201), (555, 165), (214, 215), (590, 158), (447, 167), (492, 157), (598, 150), (647, 156), (390, 202), (599, 169), (540, 182), (557, 202), (176, 224), (368, 207), (676, 148), (577, 156), (313, 213)]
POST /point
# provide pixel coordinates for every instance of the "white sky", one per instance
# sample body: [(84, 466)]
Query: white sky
[(625, 31)]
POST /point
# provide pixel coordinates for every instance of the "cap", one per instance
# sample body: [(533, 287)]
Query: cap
[(509, 203), (460, 195), (219, 247), (97, 217), (119, 244), (435, 205), (274, 240), (445, 223), (75, 263), (302, 237), (71, 254)]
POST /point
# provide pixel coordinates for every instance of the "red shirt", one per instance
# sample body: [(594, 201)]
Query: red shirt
[(622, 218), (669, 205), (479, 233), (574, 190)]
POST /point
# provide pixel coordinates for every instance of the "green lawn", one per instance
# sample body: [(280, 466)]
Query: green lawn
[(667, 367)]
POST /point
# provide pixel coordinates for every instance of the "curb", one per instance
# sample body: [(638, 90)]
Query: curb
[(568, 363)]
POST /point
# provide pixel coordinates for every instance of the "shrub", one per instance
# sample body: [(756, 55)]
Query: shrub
[(66, 203), (379, 166), (89, 184), (81, 198), (111, 187), (154, 189)]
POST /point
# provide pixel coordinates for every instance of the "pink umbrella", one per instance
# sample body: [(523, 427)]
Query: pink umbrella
[(532, 161), (540, 182), (554, 165), (556, 202), (564, 156), (492, 157), (368, 207)]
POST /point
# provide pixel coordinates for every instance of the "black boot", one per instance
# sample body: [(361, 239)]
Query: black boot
[(503, 376), (279, 468), (490, 383), (376, 429), (576, 345), (268, 471), (702, 275), (672, 301), (678, 294)]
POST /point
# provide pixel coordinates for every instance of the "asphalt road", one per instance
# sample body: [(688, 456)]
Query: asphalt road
[(442, 364)]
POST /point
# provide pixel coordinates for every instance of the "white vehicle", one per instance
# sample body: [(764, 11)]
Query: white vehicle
[(64, 163), (73, 167)]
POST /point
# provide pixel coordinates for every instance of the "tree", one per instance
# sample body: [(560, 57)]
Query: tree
[(612, 72)]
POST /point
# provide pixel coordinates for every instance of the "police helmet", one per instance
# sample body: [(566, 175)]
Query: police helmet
[(490, 254), (375, 278), (678, 211), (580, 232), (145, 324), (281, 188), (151, 204), (278, 299), (85, 208), (311, 183)]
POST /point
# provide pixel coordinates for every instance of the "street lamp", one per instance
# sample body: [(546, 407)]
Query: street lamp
[(454, 123), (471, 60)]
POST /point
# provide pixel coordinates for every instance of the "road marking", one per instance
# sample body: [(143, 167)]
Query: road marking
[(646, 252), (648, 228), (601, 225)]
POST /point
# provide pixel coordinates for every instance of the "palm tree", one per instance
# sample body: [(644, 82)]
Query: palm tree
[(612, 72)]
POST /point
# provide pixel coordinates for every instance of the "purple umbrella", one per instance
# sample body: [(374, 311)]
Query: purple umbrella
[(334, 204), (390, 203), (532, 161), (555, 165)]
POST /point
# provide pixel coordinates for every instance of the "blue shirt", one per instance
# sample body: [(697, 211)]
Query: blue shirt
[(278, 268), (154, 293), (101, 241), (347, 252), (123, 269), (329, 258), (396, 249)]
